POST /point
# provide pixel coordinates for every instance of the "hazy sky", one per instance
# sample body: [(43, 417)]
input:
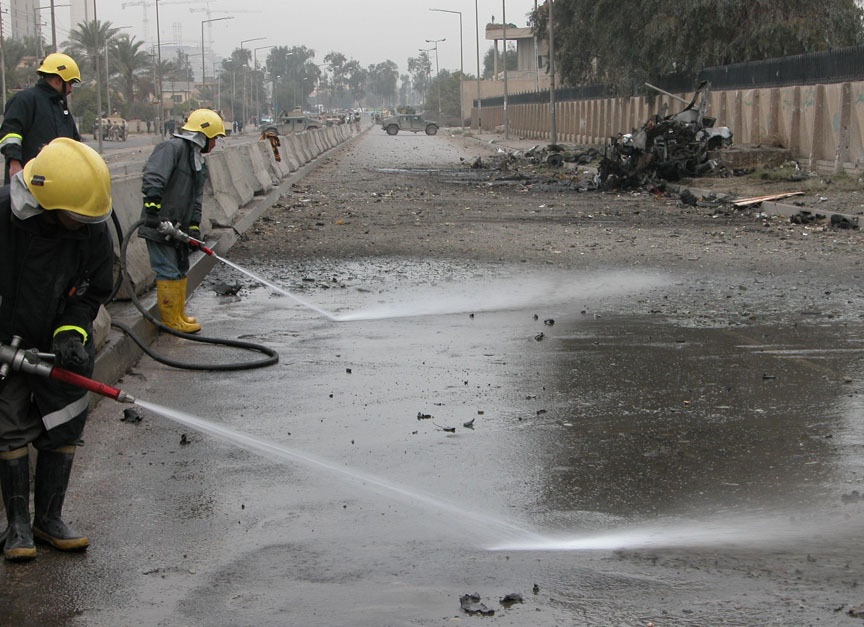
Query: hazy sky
[(369, 32)]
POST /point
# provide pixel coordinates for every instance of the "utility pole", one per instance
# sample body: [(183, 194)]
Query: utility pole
[(461, 65), (553, 125), (159, 117), (2, 59), (53, 29), (477, 34), (37, 26)]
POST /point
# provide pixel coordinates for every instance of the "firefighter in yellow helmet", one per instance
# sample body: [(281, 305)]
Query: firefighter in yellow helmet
[(173, 189), (56, 268), (37, 115)]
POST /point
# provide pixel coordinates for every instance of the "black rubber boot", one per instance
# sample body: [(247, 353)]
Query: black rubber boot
[(52, 476), (15, 483)]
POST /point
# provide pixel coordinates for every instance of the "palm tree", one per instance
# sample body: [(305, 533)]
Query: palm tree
[(87, 42), (132, 64)]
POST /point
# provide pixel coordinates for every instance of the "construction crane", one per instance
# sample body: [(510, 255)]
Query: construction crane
[(145, 5), (210, 12)]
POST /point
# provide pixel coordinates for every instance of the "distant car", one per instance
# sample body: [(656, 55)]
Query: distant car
[(409, 122)]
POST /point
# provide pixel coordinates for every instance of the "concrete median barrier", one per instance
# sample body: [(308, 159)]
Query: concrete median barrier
[(260, 155), (290, 152)]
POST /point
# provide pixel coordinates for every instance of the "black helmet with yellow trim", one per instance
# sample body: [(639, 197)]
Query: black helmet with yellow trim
[(62, 65), (70, 176)]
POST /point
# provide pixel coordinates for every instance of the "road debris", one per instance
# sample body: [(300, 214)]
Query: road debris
[(747, 202), (471, 604), (131, 415), (511, 599)]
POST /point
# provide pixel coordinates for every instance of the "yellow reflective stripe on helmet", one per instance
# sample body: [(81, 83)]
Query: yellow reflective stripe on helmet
[(148, 205), (11, 138), (70, 327)]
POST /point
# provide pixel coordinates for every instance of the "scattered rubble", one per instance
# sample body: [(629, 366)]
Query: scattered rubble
[(471, 604), (511, 599)]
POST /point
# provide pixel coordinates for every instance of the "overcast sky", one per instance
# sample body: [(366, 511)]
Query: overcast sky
[(369, 32)]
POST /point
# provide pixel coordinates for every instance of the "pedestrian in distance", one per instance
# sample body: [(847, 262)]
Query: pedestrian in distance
[(173, 189), (56, 269), (36, 115)]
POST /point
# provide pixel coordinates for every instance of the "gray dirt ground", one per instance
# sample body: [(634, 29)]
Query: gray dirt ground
[(366, 205)]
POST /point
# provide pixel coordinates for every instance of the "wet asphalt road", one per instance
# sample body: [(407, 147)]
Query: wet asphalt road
[(695, 476)]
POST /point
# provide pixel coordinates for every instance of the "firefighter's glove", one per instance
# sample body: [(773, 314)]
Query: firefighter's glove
[(69, 351), (152, 206), (194, 233)]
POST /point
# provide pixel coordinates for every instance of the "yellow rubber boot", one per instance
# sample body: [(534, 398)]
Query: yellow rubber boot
[(172, 297), (187, 319)]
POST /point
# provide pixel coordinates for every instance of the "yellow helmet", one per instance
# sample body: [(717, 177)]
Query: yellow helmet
[(205, 121), (61, 64), (70, 176)]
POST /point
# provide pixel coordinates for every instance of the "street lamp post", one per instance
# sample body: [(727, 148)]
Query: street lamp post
[(212, 19), (218, 80), (255, 73), (98, 87), (159, 115), (245, 109), (438, 73), (477, 34), (461, 62)]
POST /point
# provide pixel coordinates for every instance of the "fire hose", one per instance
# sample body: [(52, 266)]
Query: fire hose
[(14, 358), (171, 232)]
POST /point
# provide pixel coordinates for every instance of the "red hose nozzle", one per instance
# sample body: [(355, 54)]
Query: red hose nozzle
[(89, 384), (17, 359)]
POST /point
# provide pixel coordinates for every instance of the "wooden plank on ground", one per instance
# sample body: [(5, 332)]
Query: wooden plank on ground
[(745, 202)]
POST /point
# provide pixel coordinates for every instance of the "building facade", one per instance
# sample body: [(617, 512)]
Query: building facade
[(23, 19)]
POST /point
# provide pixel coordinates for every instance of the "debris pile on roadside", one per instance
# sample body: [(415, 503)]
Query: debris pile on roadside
[(552, 155)]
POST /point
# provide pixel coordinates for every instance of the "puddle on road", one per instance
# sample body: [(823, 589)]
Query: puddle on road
[(608, 416)]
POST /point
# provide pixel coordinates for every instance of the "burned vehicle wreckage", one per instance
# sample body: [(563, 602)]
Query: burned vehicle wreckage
[(666, 147)]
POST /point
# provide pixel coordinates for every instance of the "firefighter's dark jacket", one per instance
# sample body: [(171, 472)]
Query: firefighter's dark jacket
[(33, 118), (50, 276), (170, 179)]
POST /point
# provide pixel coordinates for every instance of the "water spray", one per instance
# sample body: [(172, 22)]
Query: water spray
[(171, 231), (16, 359)]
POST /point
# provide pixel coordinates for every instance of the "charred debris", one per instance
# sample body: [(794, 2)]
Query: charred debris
[(668, 147)]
